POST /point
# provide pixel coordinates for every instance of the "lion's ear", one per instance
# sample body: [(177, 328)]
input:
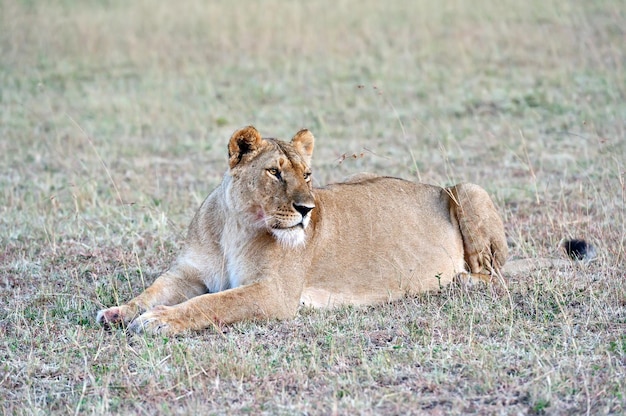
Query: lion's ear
[(303, 141), (243, 142)]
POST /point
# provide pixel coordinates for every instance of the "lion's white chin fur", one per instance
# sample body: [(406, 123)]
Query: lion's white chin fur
[(290, 237)]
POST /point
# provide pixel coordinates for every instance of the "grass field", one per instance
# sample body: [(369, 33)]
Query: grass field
[(114, 119)]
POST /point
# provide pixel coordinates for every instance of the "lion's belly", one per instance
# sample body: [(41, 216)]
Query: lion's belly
[(318, 297), (379, 282)]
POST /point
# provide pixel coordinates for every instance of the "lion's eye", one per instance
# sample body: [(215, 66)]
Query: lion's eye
[(274, 172), (307, 176)]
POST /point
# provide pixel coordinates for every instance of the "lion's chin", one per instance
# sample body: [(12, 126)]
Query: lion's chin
[(290, 237)]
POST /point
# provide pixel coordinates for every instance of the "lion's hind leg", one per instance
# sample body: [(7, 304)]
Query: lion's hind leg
[(481, 228)]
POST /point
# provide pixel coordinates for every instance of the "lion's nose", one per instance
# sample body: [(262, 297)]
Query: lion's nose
[(303, 209)]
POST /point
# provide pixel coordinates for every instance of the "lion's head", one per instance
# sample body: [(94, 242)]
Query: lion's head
[(271, 183)]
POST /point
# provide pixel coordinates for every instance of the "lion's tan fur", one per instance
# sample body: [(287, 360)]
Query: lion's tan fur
[(265, 241)]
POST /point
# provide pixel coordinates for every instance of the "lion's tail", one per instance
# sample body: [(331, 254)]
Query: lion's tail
[(525, 267), (578, 251)]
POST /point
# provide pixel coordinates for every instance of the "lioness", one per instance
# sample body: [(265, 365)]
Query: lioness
[(265, 241)]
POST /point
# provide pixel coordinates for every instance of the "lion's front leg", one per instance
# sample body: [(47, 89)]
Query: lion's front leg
[(171, 288), (161, 320), (171, 320), (266, 299)]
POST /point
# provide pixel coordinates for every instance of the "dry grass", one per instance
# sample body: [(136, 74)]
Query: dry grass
[(113, 125)]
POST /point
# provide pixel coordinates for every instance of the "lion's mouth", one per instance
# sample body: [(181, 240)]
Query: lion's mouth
[(299, 225)]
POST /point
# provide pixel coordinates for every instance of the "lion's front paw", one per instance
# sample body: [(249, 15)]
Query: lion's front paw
[(116, 315), (159, 321)]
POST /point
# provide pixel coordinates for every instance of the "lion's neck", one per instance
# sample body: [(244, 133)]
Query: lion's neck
[(239, 236)]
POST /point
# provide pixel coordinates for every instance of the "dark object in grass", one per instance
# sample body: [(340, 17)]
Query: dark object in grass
[(579, 250)]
